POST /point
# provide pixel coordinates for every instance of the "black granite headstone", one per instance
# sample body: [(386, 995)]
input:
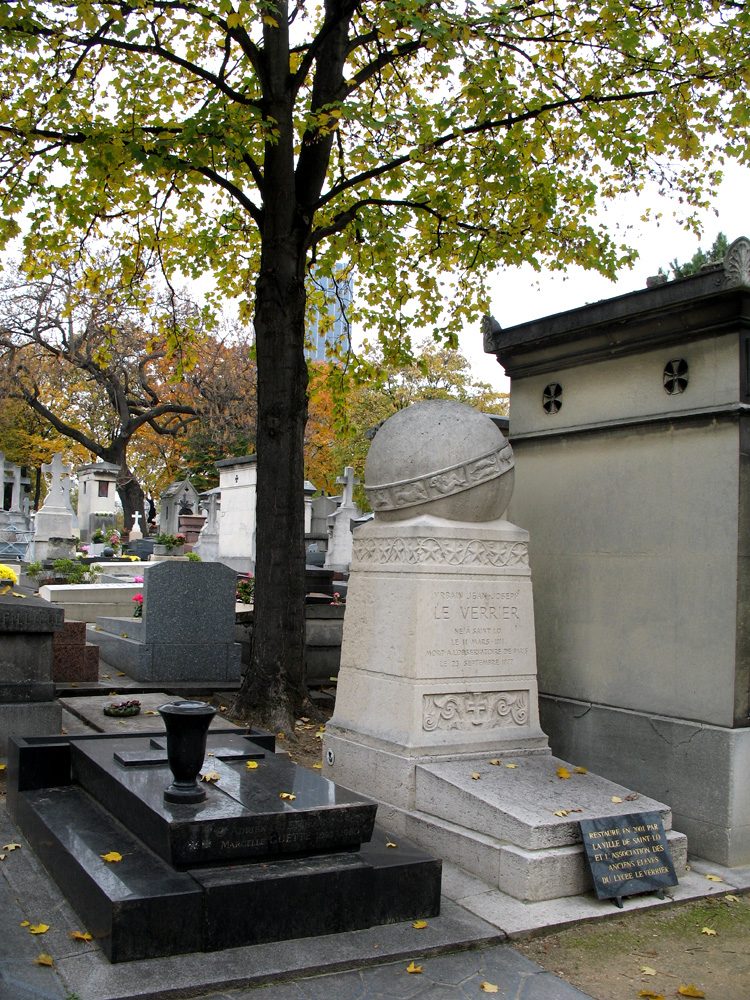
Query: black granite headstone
[(628, 854)]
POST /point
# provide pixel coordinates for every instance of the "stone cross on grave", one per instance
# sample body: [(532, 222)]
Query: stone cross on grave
[(348, 482), (59, 488), (136, 521)]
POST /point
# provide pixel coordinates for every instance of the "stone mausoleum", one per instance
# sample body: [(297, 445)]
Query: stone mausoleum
[(630, 423)]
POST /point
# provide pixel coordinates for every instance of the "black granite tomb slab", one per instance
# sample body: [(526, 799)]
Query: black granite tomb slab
[(325, 894), (243, 815), (139, 907)]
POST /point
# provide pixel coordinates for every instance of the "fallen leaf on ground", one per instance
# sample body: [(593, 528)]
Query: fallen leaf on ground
[(475, 775), (210, 776), (11, 847), (44, 959), (150, 711), (690, 991), (38, 928), (714, 878), (730, 898), (413, 968), (318, 766), (25, 923), (112, 856), (563, 772), (486, 987), (251, 765), (81, 936), (581, 770), (389, 843), (615, 798), (419, 925), (222, 708), (561, 812), (3, 766), (650, 995), (280, 736), (647, 970), (709, 931), (3, 857), (495, 762), (511, 765), (288, 796)]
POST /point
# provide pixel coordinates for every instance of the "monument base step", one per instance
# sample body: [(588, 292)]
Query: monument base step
[(528, 875)]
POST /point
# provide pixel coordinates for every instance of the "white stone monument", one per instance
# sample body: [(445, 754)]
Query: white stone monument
[(237, 483), (437, 707), (339, 554), (97, 495), (55, 522)]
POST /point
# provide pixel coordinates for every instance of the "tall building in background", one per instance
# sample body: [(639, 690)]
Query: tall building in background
[(329, 328)]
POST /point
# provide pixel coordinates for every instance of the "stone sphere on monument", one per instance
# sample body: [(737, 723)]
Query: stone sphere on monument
[(442, 458)]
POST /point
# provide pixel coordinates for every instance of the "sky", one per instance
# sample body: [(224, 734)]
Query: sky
[(519, 295)]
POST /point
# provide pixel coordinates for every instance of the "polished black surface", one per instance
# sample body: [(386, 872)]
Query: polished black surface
[(628, 854), (243, 814)]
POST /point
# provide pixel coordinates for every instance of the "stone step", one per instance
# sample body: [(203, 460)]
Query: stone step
[(527, 875), (516, 799), (124, 628)]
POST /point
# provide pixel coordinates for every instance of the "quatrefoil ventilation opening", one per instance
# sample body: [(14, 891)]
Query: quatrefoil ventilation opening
[(552, 398)]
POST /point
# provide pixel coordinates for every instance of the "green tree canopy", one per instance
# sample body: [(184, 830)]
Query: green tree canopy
[(700, 257), (420, 142)]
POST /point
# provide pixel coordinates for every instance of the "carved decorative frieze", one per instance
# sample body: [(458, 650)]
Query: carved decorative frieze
[(440, 551), (442, 483), (475, 710)]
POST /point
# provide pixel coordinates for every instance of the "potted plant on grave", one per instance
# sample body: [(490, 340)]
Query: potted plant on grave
[(8, 579), (168, 545)]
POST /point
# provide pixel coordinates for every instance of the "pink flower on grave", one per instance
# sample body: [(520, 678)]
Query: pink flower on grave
[(138, 579), (180, 539), (138, 610), (138, 598)]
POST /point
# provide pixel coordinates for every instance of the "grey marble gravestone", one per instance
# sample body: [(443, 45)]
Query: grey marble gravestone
[(27, 694), (187, 629)]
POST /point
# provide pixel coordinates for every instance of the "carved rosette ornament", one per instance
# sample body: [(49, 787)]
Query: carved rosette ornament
[(469, 711), (737, 263)]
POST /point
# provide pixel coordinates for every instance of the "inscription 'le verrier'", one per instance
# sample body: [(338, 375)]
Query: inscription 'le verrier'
[(477, 628)]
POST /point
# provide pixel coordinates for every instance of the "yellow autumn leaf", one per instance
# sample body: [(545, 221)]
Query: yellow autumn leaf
[(44, 959), (690, 991), (3, 766), (650, 995), (730, 898), (615, 798), (25, 923), (647, 970), (419, 925), (150, 711), (251, 765), (413, 968), (210, 776), (486, 987), (3, 857), (495, 762), (11, 847), (708, 931), (288, 796), (38, 928), (318, 766), (112, 856), (233, 20), (270, 21), (714, 878), (581, 770), (563, 772), (81, 936), (511, 766), (389, 843), (561, 812), (475, 775)]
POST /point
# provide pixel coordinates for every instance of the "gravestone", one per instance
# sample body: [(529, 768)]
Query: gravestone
[(273, 852), (27, 693), (54, 525), (74, 659), (437, 705), (339, 554), (207, 546), (187, 629)]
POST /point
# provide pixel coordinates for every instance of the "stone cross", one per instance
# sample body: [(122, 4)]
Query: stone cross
[(348, 482), (59, 489), (136, 521)]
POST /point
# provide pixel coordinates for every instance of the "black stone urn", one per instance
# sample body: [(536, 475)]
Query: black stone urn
[(187, 725)]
